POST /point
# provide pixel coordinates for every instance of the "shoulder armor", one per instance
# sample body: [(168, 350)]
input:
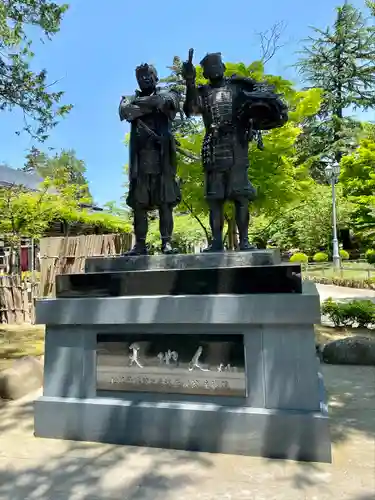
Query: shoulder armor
[(244, 80)]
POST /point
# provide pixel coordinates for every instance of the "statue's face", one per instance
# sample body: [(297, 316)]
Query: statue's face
[(146, 79), (213, 69)]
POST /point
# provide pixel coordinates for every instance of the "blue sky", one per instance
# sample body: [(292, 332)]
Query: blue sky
[(100, 44)]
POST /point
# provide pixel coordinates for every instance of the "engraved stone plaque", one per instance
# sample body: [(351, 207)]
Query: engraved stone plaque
[(170, 363)]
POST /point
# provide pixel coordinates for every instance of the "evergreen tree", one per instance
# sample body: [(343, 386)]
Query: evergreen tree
[(339, 60), (371, 5)]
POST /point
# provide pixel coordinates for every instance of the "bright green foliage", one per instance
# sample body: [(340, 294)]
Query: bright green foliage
[(358, 312), (20, 86), (64, 169), (307, 223), (107, 222), (29, 214), (370, 256), (339, 60), (358, 180), (187, 233), (299, 257), (272, 171), (320, 257), (23, 213), (344, 255)]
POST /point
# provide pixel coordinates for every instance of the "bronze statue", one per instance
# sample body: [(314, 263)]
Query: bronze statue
[(152, 157), (234, 110)]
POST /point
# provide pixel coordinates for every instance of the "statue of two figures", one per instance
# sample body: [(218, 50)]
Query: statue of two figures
[(234, 111)]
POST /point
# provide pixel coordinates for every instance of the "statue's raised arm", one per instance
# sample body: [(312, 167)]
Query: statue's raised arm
[(192, 102)]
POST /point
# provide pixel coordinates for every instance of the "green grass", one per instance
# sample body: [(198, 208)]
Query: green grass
[(17, 341), (349, 270)]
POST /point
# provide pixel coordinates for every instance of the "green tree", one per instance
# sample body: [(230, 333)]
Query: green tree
[(307, 223), (27, 213), (187, 233), (20, 86), (358, 180), (339, 60), (64, 169)]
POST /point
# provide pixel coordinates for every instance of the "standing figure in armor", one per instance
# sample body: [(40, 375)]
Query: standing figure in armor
[(152, 157), (227, 116)]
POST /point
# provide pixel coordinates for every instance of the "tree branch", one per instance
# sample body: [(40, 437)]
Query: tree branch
[(270, 41)]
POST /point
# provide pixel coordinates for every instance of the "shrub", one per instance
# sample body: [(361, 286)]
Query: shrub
[(361, 312), (344, 255), (299, 257), (335, 312), (320, 257), (370, 256)]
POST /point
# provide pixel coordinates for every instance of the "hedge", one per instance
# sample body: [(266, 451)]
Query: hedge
[(359, 312)]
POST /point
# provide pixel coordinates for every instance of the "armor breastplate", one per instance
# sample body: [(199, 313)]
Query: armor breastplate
[(218, 106)]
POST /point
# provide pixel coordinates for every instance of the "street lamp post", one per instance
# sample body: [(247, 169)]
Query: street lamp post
[(332, 172)]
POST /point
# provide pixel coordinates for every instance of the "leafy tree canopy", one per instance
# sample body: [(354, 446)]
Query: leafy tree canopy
[(20, 86), (358, 180), (307, 224), (64, 169)]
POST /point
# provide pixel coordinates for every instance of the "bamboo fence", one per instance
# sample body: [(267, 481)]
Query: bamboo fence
[(67, 255), (59, 255), (16, 300)]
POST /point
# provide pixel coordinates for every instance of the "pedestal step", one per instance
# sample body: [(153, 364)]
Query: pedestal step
[(283, 278), (187, 426), (183, 261)]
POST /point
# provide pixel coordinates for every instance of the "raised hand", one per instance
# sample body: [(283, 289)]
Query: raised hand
[(188, 69)]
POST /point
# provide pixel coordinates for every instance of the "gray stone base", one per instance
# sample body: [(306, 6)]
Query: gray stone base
[(188, 426)]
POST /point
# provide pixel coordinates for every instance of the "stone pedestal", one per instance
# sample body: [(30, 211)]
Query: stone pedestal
[(213, 353)]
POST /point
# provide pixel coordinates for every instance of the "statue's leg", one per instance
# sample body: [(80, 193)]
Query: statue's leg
[(140, 231), (166, 228), (242, 221), (217, 225)]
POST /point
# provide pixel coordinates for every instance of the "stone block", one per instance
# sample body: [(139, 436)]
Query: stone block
[(283, 278), (26, 375)]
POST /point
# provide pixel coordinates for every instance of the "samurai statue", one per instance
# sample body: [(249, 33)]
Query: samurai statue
[(152, 157), (234, 111)]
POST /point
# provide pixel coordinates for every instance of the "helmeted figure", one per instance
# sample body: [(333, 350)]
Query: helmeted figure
[(234, 110), (152, 157)]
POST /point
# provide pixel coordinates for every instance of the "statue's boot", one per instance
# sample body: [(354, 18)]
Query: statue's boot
[(246, 246), (216, 246), (139, 248), (167, 248)]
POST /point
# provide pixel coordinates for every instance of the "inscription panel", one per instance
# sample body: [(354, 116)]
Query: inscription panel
[(181, 364)]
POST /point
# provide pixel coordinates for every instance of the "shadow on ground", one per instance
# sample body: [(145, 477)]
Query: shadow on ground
[(88, 471), (351, 396), (61, 470), (20, 418)]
